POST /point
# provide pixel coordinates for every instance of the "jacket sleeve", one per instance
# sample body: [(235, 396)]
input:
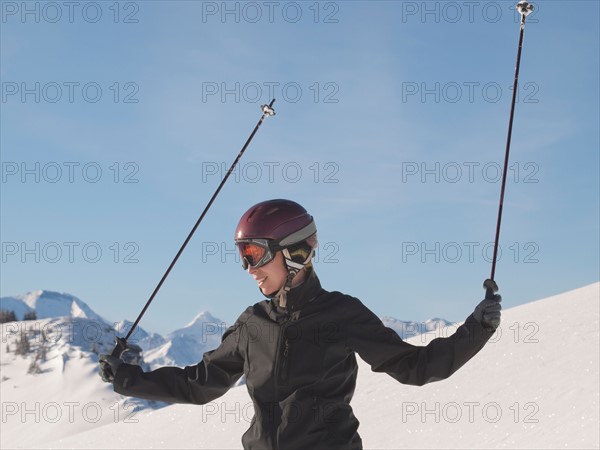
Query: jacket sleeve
[(199, 384), (385, 351)]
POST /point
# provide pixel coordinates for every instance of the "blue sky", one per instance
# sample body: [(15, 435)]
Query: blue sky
[(118, 119)]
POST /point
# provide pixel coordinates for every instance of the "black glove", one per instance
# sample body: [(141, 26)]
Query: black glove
[(108, 367), (487, 313), (109, 364)]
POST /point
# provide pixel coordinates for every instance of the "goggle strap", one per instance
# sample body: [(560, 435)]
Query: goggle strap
[(291, 264)]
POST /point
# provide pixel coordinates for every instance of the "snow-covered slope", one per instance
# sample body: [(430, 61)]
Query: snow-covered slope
[(48, 304), (65, 388), (535, 385)]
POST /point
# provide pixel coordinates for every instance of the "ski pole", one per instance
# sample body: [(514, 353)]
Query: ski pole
[(525, 8), (122, 342)]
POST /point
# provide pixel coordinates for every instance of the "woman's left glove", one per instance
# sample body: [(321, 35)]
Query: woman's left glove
[(487, 313), (108, 367), (109, 364)]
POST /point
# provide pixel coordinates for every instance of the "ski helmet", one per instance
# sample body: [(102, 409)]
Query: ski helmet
[(275, 225)]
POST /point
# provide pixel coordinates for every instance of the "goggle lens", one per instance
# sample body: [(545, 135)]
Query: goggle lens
[(252, 254)]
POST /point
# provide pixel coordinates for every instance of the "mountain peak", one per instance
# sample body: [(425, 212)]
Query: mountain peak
[(202, 323), (48, 304), (203, 317)]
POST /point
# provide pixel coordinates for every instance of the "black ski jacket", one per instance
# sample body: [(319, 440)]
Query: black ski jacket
[(301, 369)]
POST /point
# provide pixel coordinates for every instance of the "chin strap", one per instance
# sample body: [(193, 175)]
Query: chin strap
[(302, 260), (282, 294), (293, 268)]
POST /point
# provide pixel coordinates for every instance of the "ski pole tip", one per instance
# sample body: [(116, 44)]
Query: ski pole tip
[(268, 109), (525, 8)]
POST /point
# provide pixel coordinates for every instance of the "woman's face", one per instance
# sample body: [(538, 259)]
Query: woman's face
[(271, 276)]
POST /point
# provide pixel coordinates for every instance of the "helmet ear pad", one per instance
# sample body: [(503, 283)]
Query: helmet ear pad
[(301, 252)]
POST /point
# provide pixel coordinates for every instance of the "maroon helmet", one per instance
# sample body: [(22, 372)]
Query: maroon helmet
[(271, 226)]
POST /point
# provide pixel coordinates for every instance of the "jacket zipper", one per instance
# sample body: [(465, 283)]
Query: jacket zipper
[(283, 373), (282, 364), (284, 350)]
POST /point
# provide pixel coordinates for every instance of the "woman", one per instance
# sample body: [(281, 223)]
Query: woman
[(297, 348)]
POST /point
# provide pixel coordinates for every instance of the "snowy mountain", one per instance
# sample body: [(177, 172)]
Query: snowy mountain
[(139, 336), (48, 304), (534, 385), (186, 345), (181, 347), (60, 335), (410, 329)]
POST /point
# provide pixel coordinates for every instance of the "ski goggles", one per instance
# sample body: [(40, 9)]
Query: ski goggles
[(255, 252)]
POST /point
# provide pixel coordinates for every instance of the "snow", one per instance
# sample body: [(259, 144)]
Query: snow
[(535, 385), (34, 412)]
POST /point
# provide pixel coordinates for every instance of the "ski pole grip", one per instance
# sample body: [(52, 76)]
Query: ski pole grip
[(491, 288), (120, 347)]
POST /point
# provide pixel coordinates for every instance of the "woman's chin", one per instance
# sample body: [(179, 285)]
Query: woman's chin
[(268, 292)]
